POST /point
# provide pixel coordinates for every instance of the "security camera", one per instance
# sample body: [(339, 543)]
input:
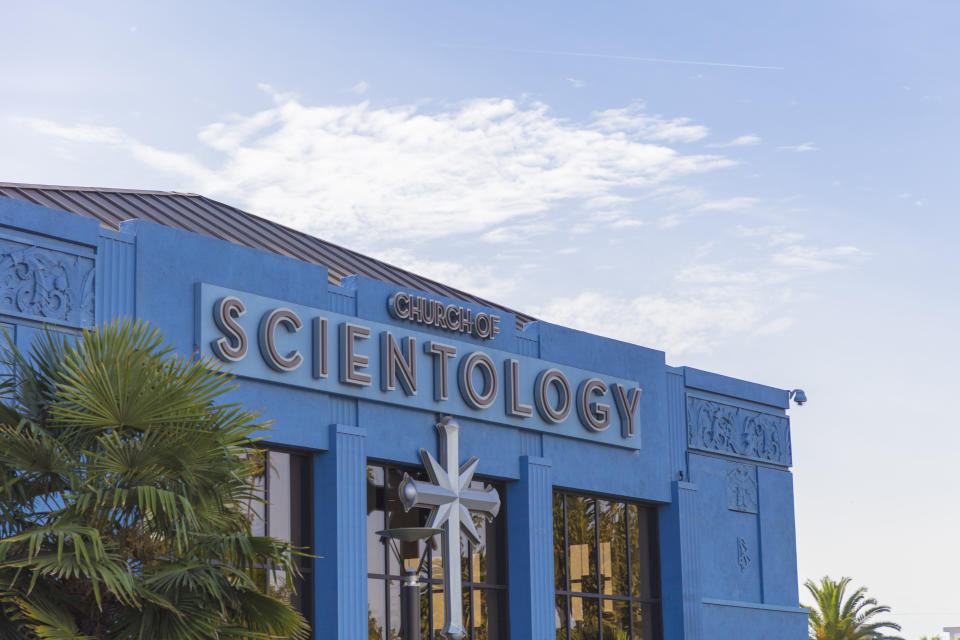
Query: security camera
[(799, 396)]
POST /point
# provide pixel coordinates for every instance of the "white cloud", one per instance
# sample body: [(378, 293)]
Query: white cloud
[(113, 137), (359, 88), (634, 121), (677, 324), (816, 259), (627, 223), (728, 204), (708, 303), (576, 84), (516, 233), (799, 148), (749, 140), (374, 176), (479, 280)]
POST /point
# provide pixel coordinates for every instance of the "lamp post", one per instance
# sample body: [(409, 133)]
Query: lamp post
[(410, 576)]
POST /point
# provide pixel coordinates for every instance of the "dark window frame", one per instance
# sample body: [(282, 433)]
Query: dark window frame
[(302, 535), (644, 602)]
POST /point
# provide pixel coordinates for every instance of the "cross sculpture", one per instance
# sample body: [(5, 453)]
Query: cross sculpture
[(451, 500)]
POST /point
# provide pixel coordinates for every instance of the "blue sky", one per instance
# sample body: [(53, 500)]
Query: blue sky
[(783, 210)]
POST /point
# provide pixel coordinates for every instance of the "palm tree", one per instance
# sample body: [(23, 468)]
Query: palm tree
[(124, 489), (835, 617)]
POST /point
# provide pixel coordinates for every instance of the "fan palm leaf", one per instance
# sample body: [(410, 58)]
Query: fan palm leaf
[(836, 616), (124, 497)]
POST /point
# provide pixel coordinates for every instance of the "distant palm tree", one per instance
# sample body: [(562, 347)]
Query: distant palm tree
[(124, 492), (835, 617)]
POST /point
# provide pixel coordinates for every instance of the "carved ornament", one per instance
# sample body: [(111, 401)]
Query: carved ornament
[(734, 431), (48, 285)]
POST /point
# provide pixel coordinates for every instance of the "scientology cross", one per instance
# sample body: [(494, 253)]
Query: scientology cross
[(450, 501)]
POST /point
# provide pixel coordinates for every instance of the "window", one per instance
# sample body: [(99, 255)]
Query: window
[(285, 484), (483, 566), (605, 566)]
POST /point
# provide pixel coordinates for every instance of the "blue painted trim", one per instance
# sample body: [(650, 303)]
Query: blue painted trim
[(680, 564), (755, 605), (530, 559), (116, 266), (734, 388), (46, 221), (340, 571)]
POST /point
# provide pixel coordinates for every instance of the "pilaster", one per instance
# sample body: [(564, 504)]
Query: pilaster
[(530, 561), (340, 571), (680, 564)]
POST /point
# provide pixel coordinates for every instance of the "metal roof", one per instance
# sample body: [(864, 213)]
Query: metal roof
[(199, 214)]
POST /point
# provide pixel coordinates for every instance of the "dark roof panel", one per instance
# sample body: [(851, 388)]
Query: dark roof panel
[(199, 214)]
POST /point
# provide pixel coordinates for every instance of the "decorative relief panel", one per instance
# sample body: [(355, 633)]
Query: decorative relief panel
[(723, 428), (48, 285), (743, 554), (741, 487)]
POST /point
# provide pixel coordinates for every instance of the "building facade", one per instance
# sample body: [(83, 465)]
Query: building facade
[(636, 499)]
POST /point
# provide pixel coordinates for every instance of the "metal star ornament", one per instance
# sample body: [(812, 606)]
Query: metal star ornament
[(451, 501)]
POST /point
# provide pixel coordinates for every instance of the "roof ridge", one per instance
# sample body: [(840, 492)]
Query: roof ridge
[(360, 255), (340, 261), (28, 185)]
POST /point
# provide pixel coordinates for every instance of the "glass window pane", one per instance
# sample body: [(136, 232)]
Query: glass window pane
[(396, 619), (645, 621), (584, 619), (640, 553), (376, 611), (615, 615), (425, 623), (375, 520), (467, 604), (488, 556), (582, 540), (613, 548), (397, 517), (493, 607), (561, 617), (278, 494), (465, 560), (439, 615), (559, 552), (256, 510), (300, 503)]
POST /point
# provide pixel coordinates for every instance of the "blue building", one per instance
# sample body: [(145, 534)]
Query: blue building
[(636, 499)]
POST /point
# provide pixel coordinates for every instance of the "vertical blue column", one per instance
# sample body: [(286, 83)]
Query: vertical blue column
[(339, 523), (778, 537), (530, 540), (680, 564)]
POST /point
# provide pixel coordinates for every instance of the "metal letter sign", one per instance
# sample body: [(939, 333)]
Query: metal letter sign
[(451, 500)]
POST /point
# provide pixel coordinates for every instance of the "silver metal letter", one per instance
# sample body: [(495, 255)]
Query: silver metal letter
[(473, 398), (399, 305), (593, 415), (511, 391), (556, 378), (394, 360), (268, 334), (481, 326), (627, 408), (232, 347), (350, 360), (441, 353), (319, 348), (451, 501)]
